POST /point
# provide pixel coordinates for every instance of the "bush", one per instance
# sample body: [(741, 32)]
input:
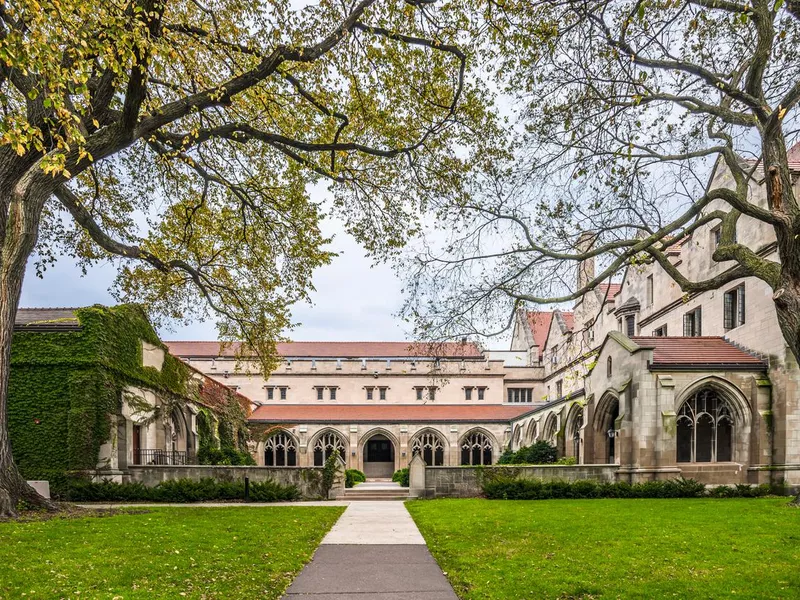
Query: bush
[(352, 477), (539, 453), (401, 477), (179, 490), (226, 456), (511, 487)]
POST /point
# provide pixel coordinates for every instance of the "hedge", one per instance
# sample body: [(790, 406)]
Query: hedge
[(539, 453), (504, 487), (352, 477), (180, 490), (401, 477)]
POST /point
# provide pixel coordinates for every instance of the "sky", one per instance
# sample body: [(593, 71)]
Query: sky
[(353, 301)]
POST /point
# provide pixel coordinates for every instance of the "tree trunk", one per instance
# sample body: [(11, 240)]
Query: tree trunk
[(21, 230)]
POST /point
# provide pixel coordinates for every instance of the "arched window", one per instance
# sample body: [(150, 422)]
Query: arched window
[(533, 429), (705, 429), (325, 445), (609, 366), (430, 446), (476, 449), (280, 450), (549, 430), (575, 433)]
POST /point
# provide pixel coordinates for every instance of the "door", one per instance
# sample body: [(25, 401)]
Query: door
[(137, 444), (379, 458)]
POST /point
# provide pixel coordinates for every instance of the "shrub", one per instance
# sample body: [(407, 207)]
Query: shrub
[(401, 477), (179, 490), (539, 453), (352, 477), (512, 487)]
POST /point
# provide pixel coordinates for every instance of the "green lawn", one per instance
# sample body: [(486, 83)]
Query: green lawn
[(166, 553), (694, 548)]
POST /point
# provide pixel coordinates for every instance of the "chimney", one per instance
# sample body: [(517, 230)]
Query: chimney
[(585, 267)]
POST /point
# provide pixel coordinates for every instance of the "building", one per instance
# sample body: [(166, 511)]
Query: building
[(664, 383), (93, 390), (376, 402)]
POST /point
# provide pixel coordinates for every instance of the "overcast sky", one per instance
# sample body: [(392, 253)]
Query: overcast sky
[(353, 301)]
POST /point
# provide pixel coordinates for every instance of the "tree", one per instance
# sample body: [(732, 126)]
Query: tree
[(626, 108), (179, 137)]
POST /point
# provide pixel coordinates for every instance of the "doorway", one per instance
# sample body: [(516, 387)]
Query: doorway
[(379, 457)]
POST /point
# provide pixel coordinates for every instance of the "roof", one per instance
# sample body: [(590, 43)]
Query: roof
[(609, 290), (631, 304), (40, 319), (335, 349), (213, 394), (539, 322), (388, 413), (569, 319), (699, 353)]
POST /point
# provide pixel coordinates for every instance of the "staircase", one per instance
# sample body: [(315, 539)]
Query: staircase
[(376, 490)]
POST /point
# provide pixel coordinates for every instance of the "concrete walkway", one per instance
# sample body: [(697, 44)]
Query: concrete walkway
[(373, 551)]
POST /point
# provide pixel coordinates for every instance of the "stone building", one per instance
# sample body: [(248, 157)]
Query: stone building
[(94, 390), (376, 402), (664, 383)]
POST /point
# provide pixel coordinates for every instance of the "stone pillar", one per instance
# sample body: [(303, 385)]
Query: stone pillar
[(416, 477)]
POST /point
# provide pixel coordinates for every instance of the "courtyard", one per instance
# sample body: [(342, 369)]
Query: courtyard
[(689, 548)]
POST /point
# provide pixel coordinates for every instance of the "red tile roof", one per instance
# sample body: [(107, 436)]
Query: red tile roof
[(336, 349), (612, 289), (539, 322), (698, 352), (214, 394), (388, 413), (569, 320)]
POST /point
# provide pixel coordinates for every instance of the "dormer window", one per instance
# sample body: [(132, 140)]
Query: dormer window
[(630, 325)]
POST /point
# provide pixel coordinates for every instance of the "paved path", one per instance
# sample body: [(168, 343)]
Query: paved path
[(373, 551)]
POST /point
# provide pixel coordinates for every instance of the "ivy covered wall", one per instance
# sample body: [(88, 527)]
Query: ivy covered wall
[(65, 385)]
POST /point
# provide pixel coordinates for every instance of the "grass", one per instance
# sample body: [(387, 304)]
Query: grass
[(163, 553), (694, 548)]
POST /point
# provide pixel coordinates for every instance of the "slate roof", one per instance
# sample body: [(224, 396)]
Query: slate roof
[(539, 322), (335, 349), (389, 413), (41, 319), (609, 290), (699, 353)]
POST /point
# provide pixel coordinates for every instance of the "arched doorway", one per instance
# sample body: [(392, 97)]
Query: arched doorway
[(477, 448), (606, 447), (378, 457)]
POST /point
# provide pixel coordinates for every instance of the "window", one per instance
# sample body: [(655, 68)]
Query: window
[(649, 290), (325, 445), (705, 429), (520, 395), (419, 393), (692, 323), (280, 450), (559, 388), (382, 393), (270, 393), (716, 235), (333, 393), (660, 331), (481, 392), (431, 394), (467, 393), (283, 393), (320, 391), (630, 325), (554, 355), (431, 447), (369, 393), (734, 307), (609, 367), (476, 449)]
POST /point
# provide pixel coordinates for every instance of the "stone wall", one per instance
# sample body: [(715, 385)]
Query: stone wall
[(307, 479), (463, 482)]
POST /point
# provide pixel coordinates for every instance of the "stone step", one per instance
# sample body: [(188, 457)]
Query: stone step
[(356, 492), (372, 498)]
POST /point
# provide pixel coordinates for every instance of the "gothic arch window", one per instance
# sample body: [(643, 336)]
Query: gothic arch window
[(609, 366), (280, 450), (430, 446), (549, 429), (533, 430), (325, 445), (575, 433), (476, 449), (705, 428)]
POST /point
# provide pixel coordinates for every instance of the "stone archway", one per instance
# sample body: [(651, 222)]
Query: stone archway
[(379, 455)]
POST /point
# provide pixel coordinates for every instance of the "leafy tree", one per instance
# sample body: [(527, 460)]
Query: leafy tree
[(179, 137), (626, 109)]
